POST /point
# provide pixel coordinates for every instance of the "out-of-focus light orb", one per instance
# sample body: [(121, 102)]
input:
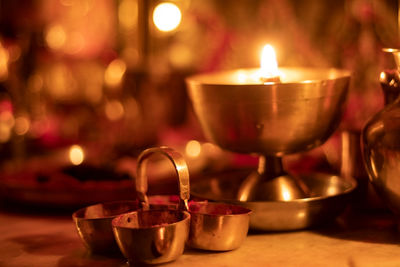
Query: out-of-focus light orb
[(5, 133), (7, 121), (114, 110), (56, 37), (167, 17), (76, 154), (114, 72), (22, 125), (7, 118), (60, 82), (180, 55), (128, 14), (193, 148), (4, 58)]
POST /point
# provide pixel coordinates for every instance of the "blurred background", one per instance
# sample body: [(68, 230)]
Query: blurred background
[(104, 79)]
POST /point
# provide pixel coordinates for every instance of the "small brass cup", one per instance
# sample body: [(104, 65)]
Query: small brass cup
[(217, 226), (154, 236), (94, 224)]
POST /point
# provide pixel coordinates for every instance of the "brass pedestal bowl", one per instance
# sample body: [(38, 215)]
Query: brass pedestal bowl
[(270, 119)]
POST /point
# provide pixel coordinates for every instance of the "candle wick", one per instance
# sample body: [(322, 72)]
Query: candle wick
[(274, 79)]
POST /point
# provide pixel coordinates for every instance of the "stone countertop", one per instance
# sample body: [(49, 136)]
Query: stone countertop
[(354, 239)]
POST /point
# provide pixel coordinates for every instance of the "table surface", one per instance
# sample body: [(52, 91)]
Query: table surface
[(354, 239)]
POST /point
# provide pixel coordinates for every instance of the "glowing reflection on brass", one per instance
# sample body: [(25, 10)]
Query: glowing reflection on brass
[(286, 194), (301, 214)]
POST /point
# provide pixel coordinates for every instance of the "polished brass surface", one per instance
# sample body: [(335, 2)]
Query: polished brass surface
[(93, 224), (217, 226), (271, 119), (154, 236), (181, 169), (381, 141), (329, 195), (270, 182), (213, 226)]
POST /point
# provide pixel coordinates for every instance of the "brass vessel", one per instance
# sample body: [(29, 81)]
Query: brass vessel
[(271, 119), (381, 140)]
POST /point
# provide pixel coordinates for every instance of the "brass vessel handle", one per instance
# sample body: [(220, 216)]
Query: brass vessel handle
[(181, 170)]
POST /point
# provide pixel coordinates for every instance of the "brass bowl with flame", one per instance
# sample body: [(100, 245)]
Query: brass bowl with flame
[(243, 114)]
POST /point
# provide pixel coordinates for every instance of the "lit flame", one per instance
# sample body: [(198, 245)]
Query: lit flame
[(76, 155), (167, 17), (269, 65)]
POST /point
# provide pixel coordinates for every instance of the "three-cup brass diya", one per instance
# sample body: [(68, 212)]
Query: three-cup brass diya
[(155, 233)]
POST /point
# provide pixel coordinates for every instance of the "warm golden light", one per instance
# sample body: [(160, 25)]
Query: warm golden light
[(76, 155), (7, 118), (128, 13), (269, 65), (193, 148), (5, 133), (114, 110), (22, 125), (56, 37), (76, 42), (4, 58), (115, 72), (167, 17)]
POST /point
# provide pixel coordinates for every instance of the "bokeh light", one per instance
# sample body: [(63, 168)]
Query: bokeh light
[(128, 14), (167, 17), (4, 57), (193, 148), (22, 125), (76, 154), (56, 37), (115, 72), (114, 110)]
